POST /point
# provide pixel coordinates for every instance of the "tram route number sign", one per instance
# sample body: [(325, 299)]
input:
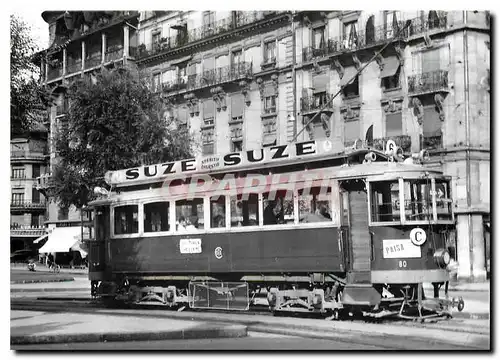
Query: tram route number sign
[(190, 246), (400, 248)]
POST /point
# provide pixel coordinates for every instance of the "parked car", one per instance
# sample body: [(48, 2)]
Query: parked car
[(23, 255)]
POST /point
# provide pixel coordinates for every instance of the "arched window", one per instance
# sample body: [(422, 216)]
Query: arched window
[(433, 20), (370, 31)]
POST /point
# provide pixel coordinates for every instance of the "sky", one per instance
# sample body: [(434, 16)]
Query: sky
[(39, 28)]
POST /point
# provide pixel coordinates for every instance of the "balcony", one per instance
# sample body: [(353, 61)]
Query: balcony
[(27, 205), (420, 26), (44, 182), (54, 72), (114, 53), (93, 61), (27, 231), (242, 70), (351, 42), (74, 66), (403, 141), (313, 104), (184, 37), (22, 155), (428, 82)]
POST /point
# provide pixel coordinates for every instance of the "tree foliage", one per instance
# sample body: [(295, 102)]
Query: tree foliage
[(27, 98), (114, 122)]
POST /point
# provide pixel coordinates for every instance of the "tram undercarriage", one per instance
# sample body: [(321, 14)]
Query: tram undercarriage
[(329, 299)]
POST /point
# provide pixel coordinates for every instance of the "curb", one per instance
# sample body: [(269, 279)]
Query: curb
[(27, 290), (68, 279), (226, 331)]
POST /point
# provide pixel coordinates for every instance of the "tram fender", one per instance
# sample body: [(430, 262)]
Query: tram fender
[(360, 295)]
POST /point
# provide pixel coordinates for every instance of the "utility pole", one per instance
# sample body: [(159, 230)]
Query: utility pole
[(294, 76), (407, 24)]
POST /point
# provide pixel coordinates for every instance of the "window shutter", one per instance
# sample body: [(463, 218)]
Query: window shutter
[(269, 90), (393, 124), (351, 130), (431, 60), (320, 83), (432, 124), (208, 109), (237, 105), (208, 64)]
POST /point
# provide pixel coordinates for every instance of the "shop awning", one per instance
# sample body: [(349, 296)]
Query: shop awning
[(391, 66), (349, 73), (36, 241), (78, 246), (61, 239)]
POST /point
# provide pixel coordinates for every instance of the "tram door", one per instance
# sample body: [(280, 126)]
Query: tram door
[(355, 219), (98, 245)]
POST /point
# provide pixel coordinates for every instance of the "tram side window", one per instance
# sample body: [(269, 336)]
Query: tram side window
[(278, 207), (245, 210), (443, 200), (156, 216), (418, 200), (189, 214), (218, 211), (314, 205), (385, 201), (126, 219)]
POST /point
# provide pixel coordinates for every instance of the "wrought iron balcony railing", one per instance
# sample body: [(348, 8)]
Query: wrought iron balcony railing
[(28, 205), (74, 66), (434, 142), (403, 141), (44, 182), (93, 61), (25, 154), (315, 103), (240, 18), (54, 72), (217, 76), (114, 54), (26, 230), (422, 25), (428, 82)]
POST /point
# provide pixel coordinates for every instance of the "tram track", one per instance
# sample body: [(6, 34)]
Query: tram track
[(90, 306)]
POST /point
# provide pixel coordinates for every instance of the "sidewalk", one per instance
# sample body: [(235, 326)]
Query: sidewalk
[(34, 327), (78, 284)]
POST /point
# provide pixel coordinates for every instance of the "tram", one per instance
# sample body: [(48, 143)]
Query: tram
[(303, 227)]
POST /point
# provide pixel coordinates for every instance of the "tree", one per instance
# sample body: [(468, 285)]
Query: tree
[(28, 99), (114, 122)]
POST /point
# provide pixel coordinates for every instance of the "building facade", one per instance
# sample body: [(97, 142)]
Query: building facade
[(28, 160), (241, 80)]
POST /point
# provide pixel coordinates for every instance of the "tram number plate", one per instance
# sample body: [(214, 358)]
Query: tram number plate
[(190, 246)]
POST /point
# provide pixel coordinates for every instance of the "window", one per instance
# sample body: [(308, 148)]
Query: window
[(207, 136), (269, 131), (35, 196), (36, 220), (237, 107), (418, 200), (62, 213), (189, 214), (270, 52), (393, 124), (385, 201), (18, 198), (156, 216), (432, 134), (319, 99), (208, 112), (315, 205), (278, 207), (156, 82), (244, 210), (352, 89), (182, 74), (18, 173), (392, 19), (35, 171), (351, 131), (236, 59), (443, 200), (208, 22), (350, 35), (155, 38), (237, 146), (217, 212), (126, 219), (319, 38), (392, 82), (270, 104)]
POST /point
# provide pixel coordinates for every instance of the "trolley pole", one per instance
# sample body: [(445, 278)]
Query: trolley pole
[(407, 24)]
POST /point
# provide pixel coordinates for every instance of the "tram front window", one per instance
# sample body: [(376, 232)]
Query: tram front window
[(385, 201), (245, 210), (126, 219), (314, 205), (189, 214), (156, 216), (443, 200), (418, 200), (278, 208)]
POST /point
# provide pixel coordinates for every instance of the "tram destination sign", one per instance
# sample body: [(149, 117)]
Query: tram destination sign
[(223, 162)]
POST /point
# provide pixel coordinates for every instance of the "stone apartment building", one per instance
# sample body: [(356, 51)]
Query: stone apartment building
[(242, 80)]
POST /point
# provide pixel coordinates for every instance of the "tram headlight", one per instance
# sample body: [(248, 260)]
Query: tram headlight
[(442, 258)]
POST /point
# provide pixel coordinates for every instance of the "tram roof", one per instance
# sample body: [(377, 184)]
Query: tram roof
[(277, 156)]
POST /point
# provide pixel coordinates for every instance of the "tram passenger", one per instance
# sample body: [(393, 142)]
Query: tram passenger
[(269, 215), (185, 225)]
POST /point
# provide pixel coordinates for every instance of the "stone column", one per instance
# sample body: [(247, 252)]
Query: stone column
[(65, 57), (83, 55), (126, 43), (103, 48), (471, 247)]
